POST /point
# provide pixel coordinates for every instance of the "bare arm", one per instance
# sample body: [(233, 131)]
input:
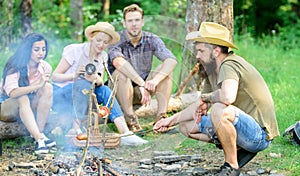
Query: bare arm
[(28, 89), (59, 73), (226, 95), (124, 67), (166, 69)]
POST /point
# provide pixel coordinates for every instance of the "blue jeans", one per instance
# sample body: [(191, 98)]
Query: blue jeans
[(70, 99), (250, 136)]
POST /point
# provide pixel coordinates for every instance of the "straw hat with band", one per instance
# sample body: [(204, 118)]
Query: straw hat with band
[(211, 33), (102, 27)]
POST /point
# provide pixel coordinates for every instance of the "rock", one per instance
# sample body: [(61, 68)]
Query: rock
[(172, 168), (199, 171), (260, 171), (145, 161)]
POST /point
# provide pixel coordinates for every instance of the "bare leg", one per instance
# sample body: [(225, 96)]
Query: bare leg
[(124, 93), (27, 117), (163, 92), (121, 125), (125, 98), (43, 106), (222, 117)]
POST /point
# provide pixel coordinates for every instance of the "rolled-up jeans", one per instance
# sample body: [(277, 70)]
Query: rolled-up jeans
[(71, 98), (250, 136)]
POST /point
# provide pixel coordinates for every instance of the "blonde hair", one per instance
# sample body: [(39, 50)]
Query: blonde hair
[(132, 8)]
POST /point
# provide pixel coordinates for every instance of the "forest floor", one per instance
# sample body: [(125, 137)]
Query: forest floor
[(128, 158), (20, 151)]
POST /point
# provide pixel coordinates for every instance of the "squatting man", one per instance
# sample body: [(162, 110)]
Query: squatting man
[(236, 109)]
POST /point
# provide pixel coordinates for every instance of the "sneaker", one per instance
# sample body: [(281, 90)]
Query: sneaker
[(130, 139), (50, 143), (227, 170), (40, 147)]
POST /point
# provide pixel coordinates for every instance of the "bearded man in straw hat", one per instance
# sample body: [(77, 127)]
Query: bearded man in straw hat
[(71, 77), (235, 111)]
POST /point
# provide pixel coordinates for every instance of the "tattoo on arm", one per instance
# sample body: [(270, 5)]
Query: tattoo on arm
[(212, 97)]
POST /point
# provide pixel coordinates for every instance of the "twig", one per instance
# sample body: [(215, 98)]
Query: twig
[(107, 71), (88, 129), (112, 98), (187, 80)]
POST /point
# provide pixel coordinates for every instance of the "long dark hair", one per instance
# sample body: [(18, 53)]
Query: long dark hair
[(18, 62)]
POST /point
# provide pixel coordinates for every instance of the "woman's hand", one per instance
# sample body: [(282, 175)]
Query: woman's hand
[(80, 71), (94, 77)]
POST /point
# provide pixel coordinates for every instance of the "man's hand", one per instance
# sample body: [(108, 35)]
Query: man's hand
[(163, 124), (151, 85), (201, 110), (146, 96)]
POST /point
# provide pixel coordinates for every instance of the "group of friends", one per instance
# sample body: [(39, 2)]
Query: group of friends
[(235, 110)]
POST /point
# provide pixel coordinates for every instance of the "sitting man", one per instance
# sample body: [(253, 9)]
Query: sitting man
[(236, 109), (131, 60)]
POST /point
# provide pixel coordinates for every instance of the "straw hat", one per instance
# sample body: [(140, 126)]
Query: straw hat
[(211, 33), (102, 27)]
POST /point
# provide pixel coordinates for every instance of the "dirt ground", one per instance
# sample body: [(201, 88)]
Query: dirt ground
[(128, 157)]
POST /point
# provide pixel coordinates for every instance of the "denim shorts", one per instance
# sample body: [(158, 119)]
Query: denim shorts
[(250, 136)]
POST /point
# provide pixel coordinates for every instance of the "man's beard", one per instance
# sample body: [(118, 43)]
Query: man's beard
[(210, 67), (133, 35)]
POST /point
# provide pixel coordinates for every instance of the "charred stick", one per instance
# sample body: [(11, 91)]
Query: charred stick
[(187, 80), (111, 170), (78, 171)]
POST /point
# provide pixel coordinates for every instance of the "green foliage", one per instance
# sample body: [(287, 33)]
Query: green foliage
[(261, 17), (58, 13), (91, 13)]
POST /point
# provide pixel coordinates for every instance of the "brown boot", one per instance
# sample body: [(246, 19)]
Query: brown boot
[(133, 123), (160, 116)]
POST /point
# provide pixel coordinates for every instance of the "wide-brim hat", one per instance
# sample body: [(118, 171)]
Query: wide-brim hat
[(211, 33), (102, 27)]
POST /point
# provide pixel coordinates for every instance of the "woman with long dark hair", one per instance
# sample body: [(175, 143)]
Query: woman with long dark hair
[(26, 91)]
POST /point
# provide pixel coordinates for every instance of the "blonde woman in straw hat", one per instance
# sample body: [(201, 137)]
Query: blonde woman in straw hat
[(235, 111), (70, 78)]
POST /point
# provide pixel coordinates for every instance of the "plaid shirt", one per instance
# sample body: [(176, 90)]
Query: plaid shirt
[(140, 56)]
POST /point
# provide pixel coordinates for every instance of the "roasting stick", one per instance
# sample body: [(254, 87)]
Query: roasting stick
[(107, 71), (112, 99), (78, 170)]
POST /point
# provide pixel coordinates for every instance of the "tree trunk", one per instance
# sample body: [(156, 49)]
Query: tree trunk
[(26, 13), (7, 37), (106, 5), (12, 130), (76, 19), (175, 104), (198, 11)]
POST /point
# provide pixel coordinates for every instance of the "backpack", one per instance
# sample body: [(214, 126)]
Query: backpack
[(292, 133)]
